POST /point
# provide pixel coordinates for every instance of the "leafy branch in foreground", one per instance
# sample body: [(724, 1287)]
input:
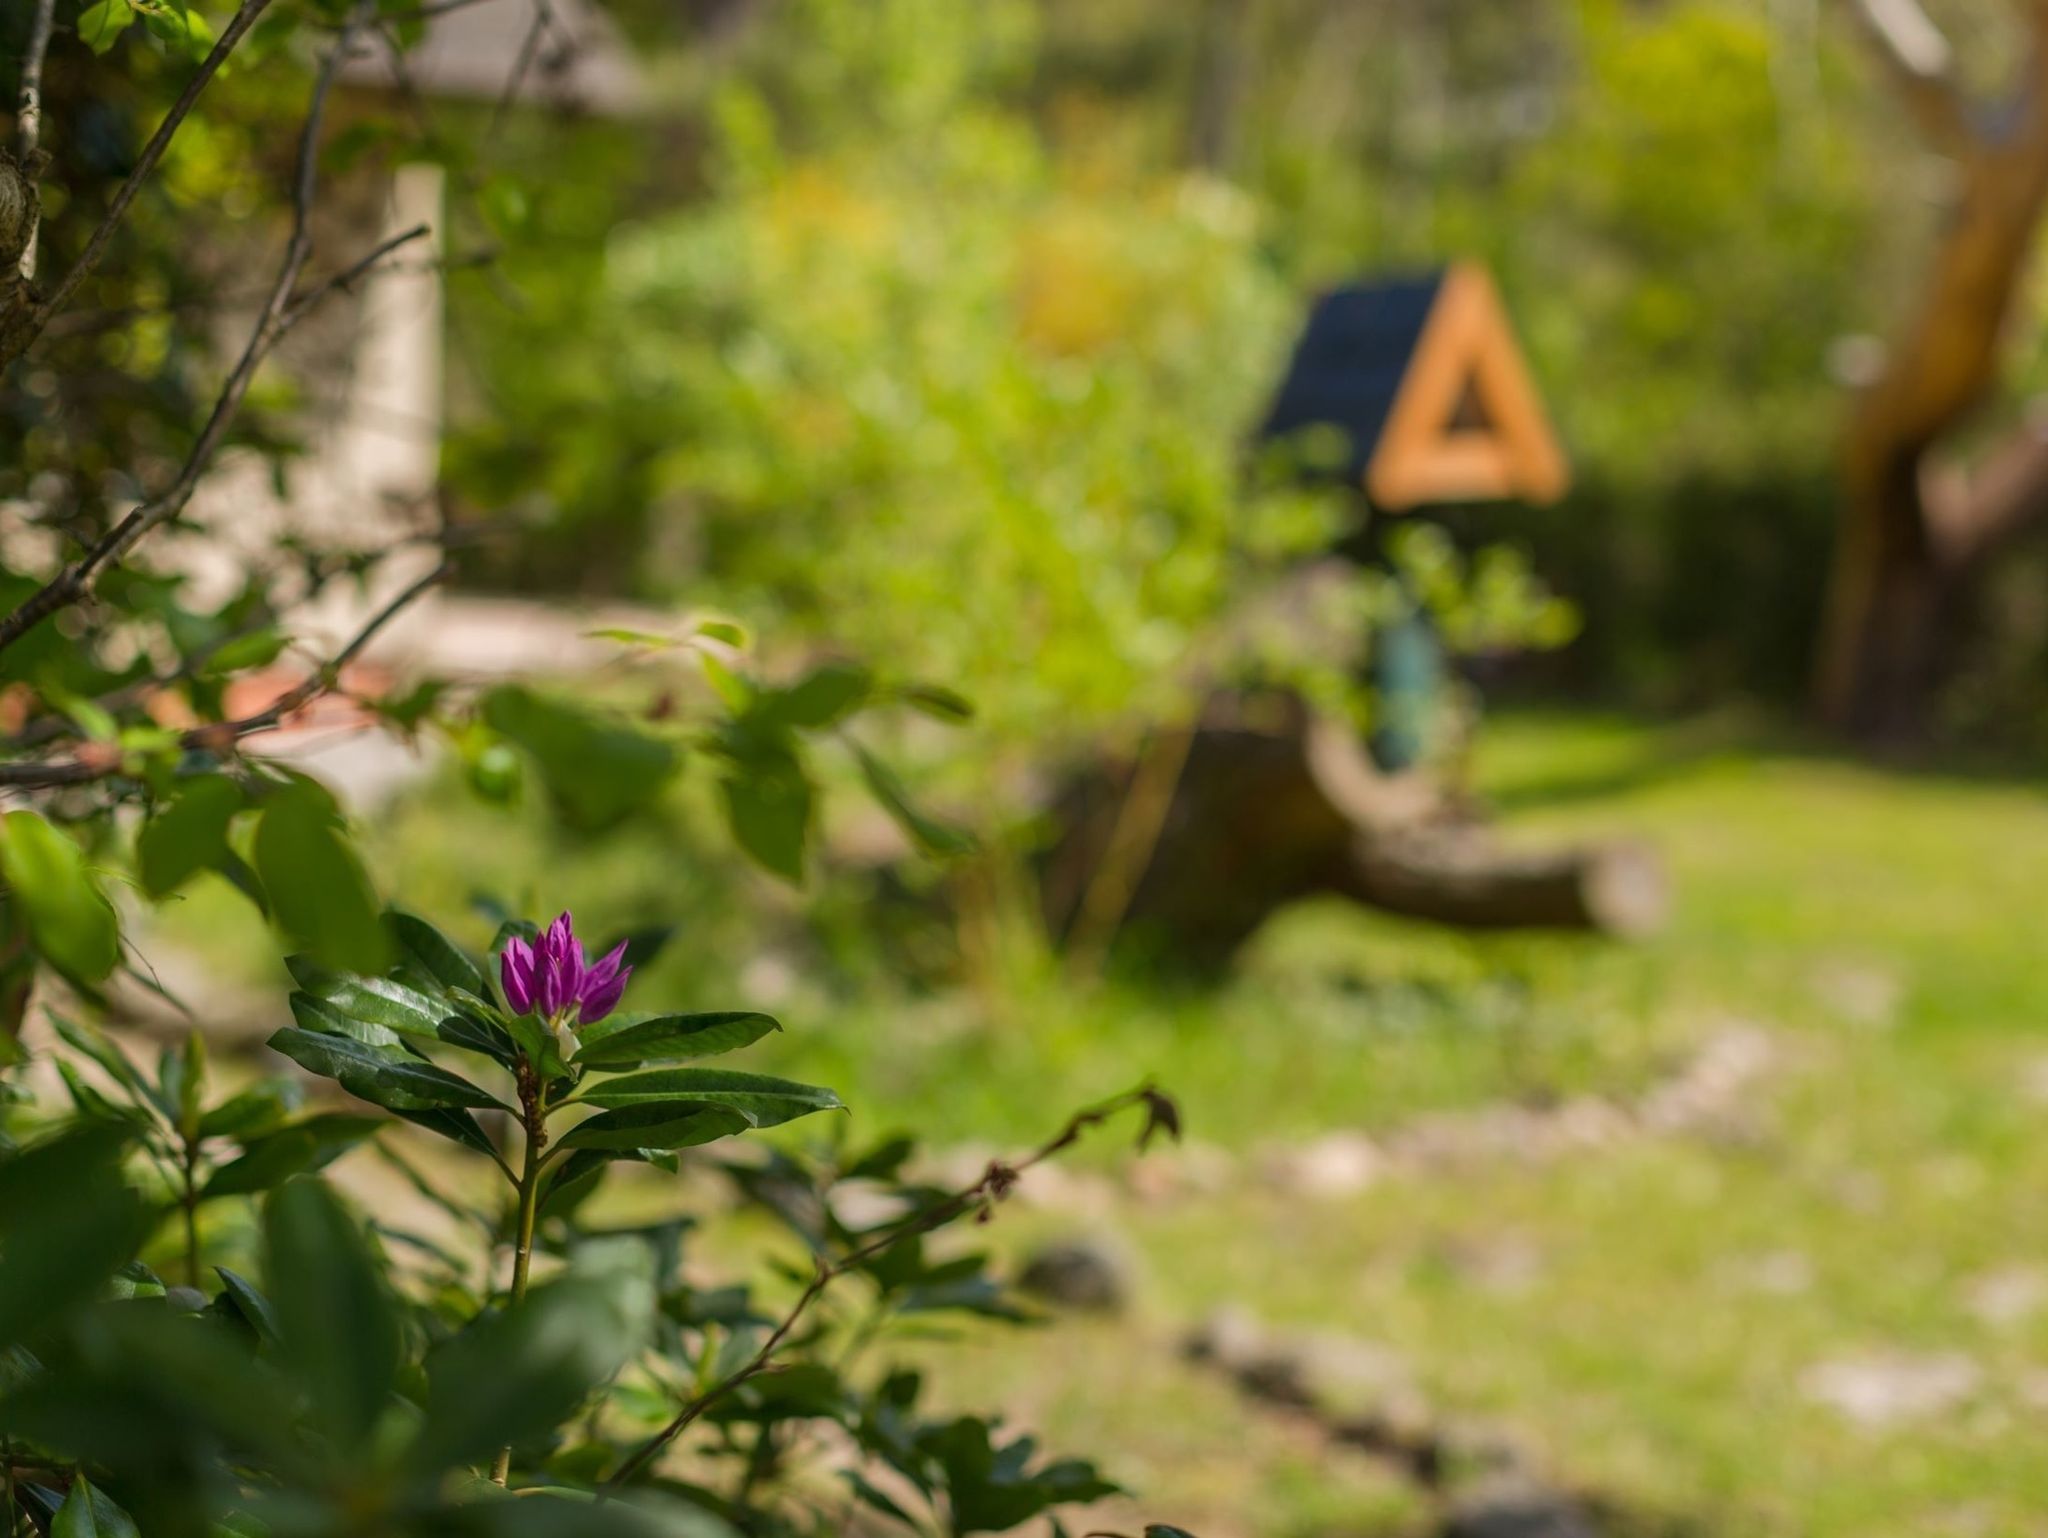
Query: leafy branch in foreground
[(332, 1388), (996, 1182)]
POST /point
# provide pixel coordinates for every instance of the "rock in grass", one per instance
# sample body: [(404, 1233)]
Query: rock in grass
[(1080, 1274)]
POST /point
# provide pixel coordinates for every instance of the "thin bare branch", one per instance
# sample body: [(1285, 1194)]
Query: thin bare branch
[(75, 582), (995, 1183), (218, 736), (1920, 59), (28, 115), (28, 136), (18, 332)]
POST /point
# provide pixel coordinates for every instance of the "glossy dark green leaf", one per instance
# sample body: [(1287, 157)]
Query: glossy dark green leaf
[(375, 1000), (298, 1149), (337, 1324), (69, 919), (318, 893), (660, 1124), (628, 1041), (433, 953), (768, 1101), (324, 1019), (67, 1220), (455, 1125), (597, 771), (396, 1082), (188, 836)]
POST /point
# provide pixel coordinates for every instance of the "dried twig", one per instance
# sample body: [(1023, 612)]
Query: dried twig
[(995, 1183), (281, 310), (218, 736)]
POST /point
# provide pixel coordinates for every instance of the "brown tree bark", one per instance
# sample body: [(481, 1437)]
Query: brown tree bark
[(1909, 536)]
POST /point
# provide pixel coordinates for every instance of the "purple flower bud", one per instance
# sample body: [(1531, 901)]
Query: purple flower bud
[(603, 984), (516, 968), (550, 976)]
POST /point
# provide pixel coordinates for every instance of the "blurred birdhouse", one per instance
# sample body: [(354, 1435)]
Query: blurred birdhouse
[(1424, 378)]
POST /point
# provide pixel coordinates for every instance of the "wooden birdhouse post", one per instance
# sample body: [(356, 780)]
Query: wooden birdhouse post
[(1425, 380)]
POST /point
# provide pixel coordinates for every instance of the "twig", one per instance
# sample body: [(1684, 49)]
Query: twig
[(215, 736), (75, 582), (995, 1183), (16, 336), (28, 117), (529, 48)]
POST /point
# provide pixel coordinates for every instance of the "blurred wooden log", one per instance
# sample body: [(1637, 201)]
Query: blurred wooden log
[(1273, 804), (1464, 878)]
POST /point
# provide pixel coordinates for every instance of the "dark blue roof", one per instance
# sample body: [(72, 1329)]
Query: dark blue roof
[(1350, 360)]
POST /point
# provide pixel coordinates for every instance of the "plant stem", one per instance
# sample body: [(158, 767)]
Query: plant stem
[(190, 1201), (532, 1102)]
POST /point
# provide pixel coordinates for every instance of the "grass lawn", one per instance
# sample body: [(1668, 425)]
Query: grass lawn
[(1660, 1321), (1677, 1306)]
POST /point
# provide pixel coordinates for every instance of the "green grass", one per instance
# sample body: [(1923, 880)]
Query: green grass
[(1885, 928), (1899, 1157)]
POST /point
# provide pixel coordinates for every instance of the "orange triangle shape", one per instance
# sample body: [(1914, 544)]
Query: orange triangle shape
[(1466, 424)]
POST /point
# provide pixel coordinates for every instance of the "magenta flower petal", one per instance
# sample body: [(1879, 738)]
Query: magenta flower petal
[(516, 971), (560, 965), (603, 999)]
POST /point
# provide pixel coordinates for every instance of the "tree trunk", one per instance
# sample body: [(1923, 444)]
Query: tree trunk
[(1904, 540), (1884, 621)]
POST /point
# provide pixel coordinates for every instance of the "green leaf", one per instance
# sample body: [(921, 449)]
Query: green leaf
[(100, 25), (257, 1109), (627, 1041), (828, 694), (940, 703), (257, 649), (597, 771), (181, 1071), (337, 1323), (111, 1062), (372, 1000), (250, 1304), (396, 1082), (931, 836), (67, 1220), (318, 893), (319, 1016), (69, 918), (299, 1149), (770, 1102), (456, 1126), (433, 953), (723, 630), (188, 836), (88, 1512), (768, 808), (520, 1373), (664, 1124)]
